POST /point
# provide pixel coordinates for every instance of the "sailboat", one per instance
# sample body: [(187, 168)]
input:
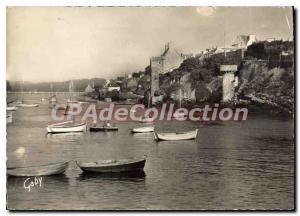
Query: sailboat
[(71, 91), (70, 100), (179, 115), (67, 126), (52, 98), (22, 104)]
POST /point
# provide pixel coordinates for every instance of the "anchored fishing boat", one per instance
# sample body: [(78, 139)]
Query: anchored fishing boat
[(41, 170), (13, 108), (112, 166), (143, 129), (177, 136), (67, 127)]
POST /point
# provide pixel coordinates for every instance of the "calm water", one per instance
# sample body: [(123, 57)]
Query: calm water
[(235, 165)]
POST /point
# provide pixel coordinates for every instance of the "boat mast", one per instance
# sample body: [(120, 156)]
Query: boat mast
[(51, 89), (180, 97), (71, 89)]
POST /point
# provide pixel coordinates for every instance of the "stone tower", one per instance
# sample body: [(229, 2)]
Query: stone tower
[(169, 60), (156, 68)]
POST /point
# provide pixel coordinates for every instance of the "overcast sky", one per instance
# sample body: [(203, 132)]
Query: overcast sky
[(62, 43)]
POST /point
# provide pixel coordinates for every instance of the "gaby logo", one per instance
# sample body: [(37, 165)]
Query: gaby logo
[(138, 112)]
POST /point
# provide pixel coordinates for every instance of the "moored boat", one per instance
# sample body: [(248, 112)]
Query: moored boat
[(177, 135), (103, 128), (28, 105), (146, 120), (67, 127), (112, 166), (41, 170), (143, 129), (13, 108), (9, 118)]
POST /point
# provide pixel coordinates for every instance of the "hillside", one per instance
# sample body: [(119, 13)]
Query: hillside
[(266, 76), (79, 85)]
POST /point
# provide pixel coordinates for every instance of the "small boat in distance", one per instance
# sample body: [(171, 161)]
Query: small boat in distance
[(143, 129), (103, 128), (28, 105), (106, 127), (9, 118), (113, 166), (176, 136), (67, 127), (13, 108), (146, 120), (41, 170)]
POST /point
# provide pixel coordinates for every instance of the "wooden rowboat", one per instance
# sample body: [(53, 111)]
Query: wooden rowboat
[(143, 129), (42, 170), (67, 127), (177, 136), (103, 128), (112, 166)]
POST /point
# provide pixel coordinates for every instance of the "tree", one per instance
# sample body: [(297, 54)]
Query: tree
[(148, 70)]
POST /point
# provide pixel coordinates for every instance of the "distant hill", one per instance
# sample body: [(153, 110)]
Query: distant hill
[(79, 85)]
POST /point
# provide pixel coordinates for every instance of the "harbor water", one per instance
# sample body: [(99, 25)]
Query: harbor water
[(231, 165)]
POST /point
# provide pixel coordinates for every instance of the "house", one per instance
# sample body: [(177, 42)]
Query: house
[(88, 89), (169, 60), (243, 41), (111, 86)]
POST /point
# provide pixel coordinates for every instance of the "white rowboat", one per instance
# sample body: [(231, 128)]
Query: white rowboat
[(143, 129), (42, 170), (28, 105), (177, 136), (67, 127)]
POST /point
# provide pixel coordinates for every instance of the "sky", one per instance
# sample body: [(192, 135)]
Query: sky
[(63, 43)]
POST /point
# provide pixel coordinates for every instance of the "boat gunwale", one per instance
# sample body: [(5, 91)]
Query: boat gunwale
[(178, 133), (99, 165), (34, 166), (63, 126)]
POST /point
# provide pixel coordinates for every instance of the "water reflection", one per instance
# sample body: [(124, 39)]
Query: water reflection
[(121, 176)]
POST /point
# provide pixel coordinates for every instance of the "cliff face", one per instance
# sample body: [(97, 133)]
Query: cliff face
[(271, 87)]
